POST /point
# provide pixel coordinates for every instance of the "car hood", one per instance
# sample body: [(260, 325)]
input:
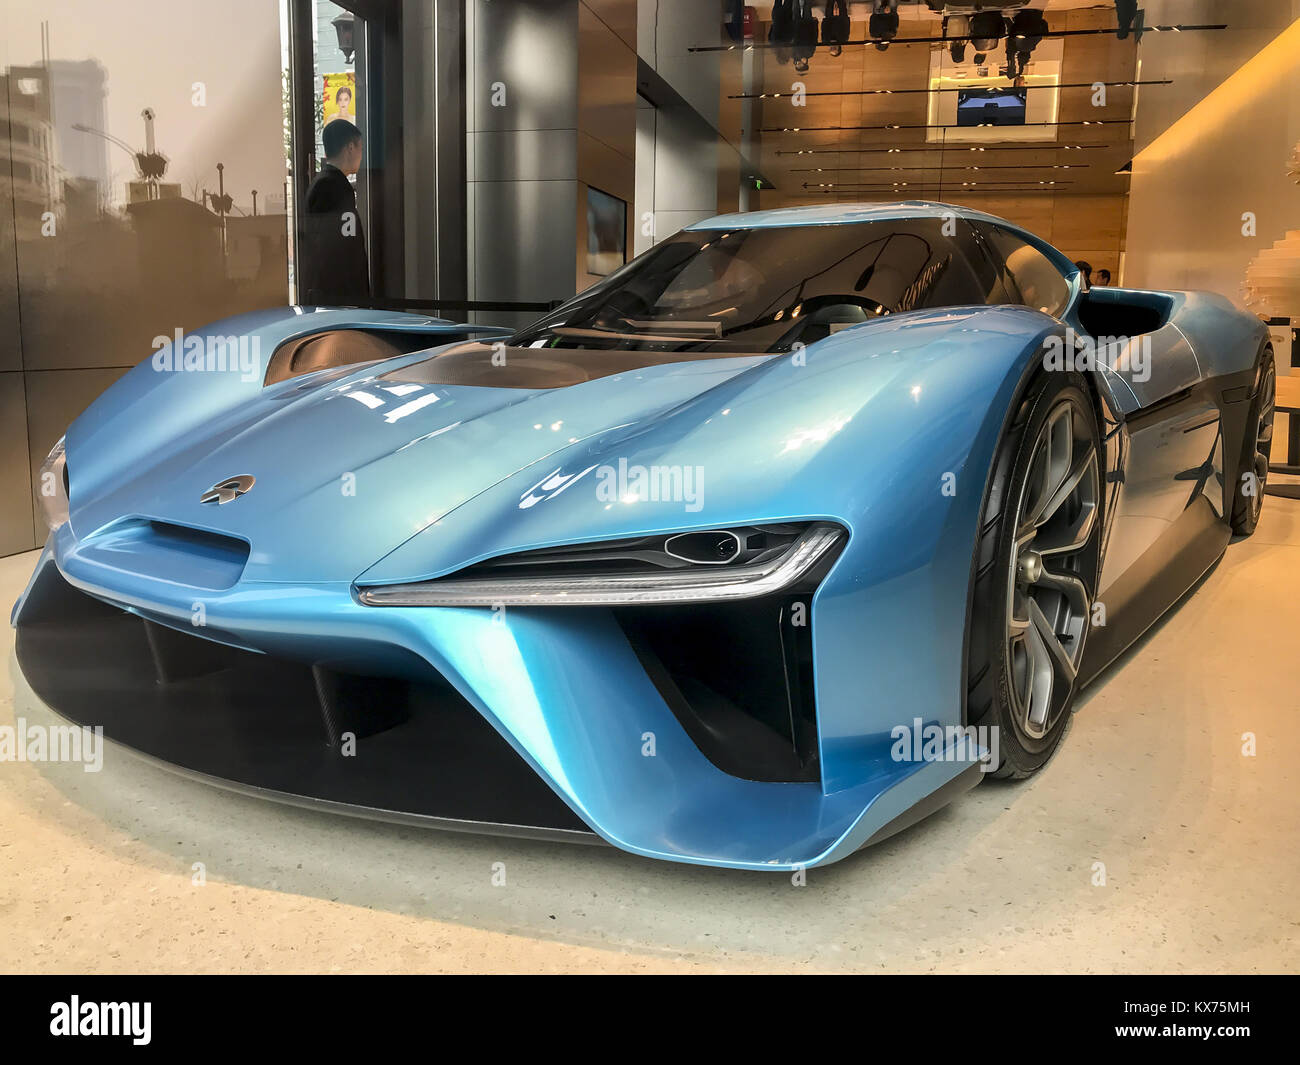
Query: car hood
[(346, 465)]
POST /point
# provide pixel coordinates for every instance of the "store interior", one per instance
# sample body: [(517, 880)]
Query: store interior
[(156, 171)]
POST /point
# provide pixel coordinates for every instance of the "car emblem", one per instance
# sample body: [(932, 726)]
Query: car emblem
[(228, 490)]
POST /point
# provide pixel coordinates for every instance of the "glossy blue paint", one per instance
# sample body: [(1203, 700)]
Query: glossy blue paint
[(915, 397), (1204, 337), (361, 481), (566, 692)]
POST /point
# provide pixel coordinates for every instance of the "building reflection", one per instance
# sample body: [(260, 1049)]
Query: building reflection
[(156, 261), (107, 241)]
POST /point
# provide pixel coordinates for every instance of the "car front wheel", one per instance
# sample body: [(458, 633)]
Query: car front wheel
[(1036, 573)]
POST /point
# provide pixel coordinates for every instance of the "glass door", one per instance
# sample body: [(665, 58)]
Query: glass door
[(339, 68)]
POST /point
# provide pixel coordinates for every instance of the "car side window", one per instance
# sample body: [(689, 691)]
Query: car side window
[(1033, 277), (917, 265), (987, 266), (904, 266)]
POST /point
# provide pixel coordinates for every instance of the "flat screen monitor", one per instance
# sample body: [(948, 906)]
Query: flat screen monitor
[(991, 107)]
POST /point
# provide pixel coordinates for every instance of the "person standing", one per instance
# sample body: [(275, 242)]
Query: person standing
[(335, 267)]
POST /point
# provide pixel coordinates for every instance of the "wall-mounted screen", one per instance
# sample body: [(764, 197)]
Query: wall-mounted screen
[(992, 107), (606, 232)]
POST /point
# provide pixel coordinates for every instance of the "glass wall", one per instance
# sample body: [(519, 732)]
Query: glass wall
[(157, 155), (142, 190)]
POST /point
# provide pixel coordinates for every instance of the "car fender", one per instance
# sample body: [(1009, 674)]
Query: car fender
[(889, 429)]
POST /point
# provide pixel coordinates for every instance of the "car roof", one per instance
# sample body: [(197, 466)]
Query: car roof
[(847, 213), (840, 214)]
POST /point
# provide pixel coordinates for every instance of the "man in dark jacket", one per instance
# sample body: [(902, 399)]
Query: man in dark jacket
[(335, 268)]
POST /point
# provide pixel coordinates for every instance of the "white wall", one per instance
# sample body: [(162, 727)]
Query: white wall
[(1199, 62), (1226, 155)]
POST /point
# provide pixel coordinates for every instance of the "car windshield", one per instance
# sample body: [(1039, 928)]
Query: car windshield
[(767, 289)]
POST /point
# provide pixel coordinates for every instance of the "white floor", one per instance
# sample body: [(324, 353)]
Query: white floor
[(1199, 845)]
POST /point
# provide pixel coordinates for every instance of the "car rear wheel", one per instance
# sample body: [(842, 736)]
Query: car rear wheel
[(1248, 497), (1036, 573)]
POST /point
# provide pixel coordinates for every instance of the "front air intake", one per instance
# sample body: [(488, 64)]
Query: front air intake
[(739, 679), (407, 747)]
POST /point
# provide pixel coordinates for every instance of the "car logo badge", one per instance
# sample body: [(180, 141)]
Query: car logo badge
[(228, 490)]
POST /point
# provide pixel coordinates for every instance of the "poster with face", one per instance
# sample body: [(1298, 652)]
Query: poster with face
[(339, 97)]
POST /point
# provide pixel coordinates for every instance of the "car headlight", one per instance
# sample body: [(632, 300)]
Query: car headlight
[(695, 567), (53, 487)]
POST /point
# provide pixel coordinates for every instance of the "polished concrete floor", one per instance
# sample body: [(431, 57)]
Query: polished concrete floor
[(1197, 842)]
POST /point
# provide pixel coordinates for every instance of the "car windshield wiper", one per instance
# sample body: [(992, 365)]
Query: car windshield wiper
[(671, 338), (708, 329)]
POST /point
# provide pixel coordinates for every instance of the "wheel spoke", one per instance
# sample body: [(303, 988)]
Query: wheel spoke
[(1059, 439), (1020, 663), (1042, 674), (1074, 590), (1062, 662), (1073, 537), (1068, 486), (1017, 611)]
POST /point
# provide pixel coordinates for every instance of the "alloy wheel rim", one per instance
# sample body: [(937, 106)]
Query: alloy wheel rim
[(1264, 437), (1048, 602)]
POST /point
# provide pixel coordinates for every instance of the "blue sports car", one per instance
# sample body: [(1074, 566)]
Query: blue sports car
[(751, 555)]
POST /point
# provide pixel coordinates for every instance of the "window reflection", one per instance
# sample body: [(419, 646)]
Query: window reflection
[(770, 289)]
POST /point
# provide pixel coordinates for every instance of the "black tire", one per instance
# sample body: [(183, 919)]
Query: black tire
[(1002, 675), (1252, 474)]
